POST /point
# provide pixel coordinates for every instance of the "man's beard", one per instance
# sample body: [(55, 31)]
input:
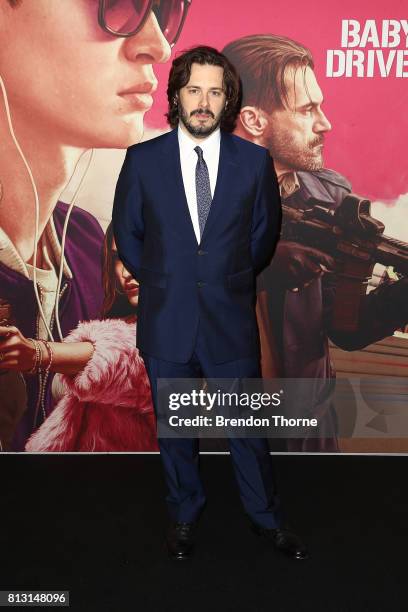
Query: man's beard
[(290, 154), (199, 131)]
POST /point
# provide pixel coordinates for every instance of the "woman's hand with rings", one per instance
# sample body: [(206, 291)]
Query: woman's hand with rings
[(16, 351)]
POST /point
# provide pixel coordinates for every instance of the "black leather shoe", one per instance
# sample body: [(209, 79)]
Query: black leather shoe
[(180, 540), (284, 540)]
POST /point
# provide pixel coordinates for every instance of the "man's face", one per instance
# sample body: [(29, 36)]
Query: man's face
[(295, 133), (68, 79), (201, 102)]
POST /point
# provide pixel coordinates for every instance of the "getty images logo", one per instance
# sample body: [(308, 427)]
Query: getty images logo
[(209, 401)]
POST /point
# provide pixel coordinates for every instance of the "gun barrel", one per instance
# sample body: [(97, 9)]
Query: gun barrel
[(317, 228), (393, 252)]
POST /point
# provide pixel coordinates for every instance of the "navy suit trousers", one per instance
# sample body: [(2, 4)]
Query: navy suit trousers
[(180, 456)]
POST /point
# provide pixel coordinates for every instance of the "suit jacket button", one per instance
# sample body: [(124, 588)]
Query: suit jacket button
[(200, 284), (201, 252)]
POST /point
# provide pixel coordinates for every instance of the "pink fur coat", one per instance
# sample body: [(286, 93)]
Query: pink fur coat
[(107, 406)]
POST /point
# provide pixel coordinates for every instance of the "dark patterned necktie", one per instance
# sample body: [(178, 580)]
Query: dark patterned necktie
[(203, 189)]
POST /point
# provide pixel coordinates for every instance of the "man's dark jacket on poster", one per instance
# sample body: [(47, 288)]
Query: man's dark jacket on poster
[(301, 321)]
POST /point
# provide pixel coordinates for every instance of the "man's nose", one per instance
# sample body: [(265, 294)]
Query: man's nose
[(322, 124), (149, 45), (204, 101)]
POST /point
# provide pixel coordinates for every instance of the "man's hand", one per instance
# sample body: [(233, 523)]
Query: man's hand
[(295, 266)]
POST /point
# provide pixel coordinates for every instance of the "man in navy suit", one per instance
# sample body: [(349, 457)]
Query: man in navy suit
[(196, 216)]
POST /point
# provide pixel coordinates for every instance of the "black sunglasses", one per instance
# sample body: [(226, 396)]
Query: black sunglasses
[(127, 17)]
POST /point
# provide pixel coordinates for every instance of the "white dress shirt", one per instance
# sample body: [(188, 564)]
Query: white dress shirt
[(188, 159)]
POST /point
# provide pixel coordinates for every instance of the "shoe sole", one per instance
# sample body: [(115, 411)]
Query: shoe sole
[(258, 531)]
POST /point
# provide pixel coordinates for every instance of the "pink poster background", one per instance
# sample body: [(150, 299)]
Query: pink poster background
[(369, 121)]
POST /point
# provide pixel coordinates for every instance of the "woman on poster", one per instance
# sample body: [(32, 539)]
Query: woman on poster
[(103, 393)]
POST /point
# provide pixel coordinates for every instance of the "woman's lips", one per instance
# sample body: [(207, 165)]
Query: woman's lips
[(132, 289), (139, 96), (139, 101)]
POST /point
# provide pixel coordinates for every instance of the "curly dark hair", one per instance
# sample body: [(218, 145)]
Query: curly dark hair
[(180, 75)]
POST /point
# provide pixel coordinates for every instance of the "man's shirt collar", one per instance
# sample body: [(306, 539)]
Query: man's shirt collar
[(209, 145), (288, 184)]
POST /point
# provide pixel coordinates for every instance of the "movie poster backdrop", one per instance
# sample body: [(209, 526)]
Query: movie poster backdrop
[(74, 97)]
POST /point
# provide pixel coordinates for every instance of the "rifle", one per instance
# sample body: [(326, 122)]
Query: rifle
[(357, 242)]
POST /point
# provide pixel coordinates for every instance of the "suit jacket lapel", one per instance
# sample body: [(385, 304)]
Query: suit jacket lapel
[(175, 186)]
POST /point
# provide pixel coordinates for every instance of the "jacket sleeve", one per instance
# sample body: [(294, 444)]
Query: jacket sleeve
[(127, 215), (382, 311), (115, 373), (267, 216)]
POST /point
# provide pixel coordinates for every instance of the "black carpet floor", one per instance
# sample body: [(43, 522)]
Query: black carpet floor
[(94, 525)]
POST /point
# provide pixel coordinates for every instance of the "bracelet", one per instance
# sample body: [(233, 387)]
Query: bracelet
[(40, 360), (51, 355), (38, 356)]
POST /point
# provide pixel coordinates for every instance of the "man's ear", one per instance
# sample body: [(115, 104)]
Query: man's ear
[(253, 120)]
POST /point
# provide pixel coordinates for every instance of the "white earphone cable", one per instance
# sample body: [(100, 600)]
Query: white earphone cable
[(37, 216), (64, 233)]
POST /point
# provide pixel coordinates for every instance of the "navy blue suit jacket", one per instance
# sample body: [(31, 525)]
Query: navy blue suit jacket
[(183, 282)]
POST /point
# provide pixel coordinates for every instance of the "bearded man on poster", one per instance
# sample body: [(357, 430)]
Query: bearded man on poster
[(281, 109), (196, 249)]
